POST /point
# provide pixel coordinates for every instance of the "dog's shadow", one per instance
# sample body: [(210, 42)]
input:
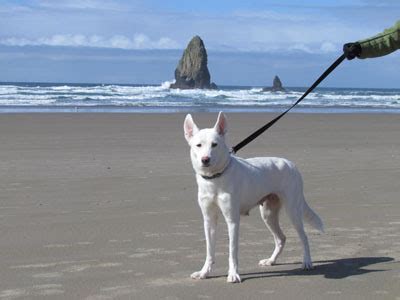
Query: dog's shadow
[(331, 269)]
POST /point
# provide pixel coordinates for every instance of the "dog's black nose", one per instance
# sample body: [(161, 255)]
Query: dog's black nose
[(205, 160)]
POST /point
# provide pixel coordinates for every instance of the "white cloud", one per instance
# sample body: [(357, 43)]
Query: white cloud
[(143, 42), (80, 4), (270, 16), (381, 3), (329, 47), (139, 41), (301, 47)]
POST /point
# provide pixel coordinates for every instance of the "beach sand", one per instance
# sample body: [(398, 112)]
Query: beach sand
[(103, 206)]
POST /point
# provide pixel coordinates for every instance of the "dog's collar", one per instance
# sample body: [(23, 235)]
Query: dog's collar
[(216, 175), (212, 176)]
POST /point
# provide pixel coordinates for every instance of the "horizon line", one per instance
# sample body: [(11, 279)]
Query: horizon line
[(159, 84)]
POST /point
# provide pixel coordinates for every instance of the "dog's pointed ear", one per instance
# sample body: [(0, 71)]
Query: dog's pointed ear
[(221, 125), (189, 127)]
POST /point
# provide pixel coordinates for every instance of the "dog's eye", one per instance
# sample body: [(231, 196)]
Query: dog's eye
[(213, 145), (198, 145)]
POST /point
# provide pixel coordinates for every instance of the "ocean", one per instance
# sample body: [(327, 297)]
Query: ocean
[(61, 97)]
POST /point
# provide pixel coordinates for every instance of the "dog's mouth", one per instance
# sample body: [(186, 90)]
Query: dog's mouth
[(205, 165)]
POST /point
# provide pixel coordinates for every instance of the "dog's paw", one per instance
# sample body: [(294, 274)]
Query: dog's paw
[(233, 278), (307, 265), (266, 262), (199, 275)]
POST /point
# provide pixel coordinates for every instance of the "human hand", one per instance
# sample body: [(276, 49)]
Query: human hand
[(352, 50)]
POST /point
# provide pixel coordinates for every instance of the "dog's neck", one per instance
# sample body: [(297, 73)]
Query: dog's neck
[(218, 173)]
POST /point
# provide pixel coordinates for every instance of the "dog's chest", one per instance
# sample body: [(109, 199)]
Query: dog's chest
[(208, 189), (209, 192)]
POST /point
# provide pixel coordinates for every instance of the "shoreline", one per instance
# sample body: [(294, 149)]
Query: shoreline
[(180, 110)]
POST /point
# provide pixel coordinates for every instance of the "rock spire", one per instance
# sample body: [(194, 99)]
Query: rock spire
[(276, 86), (192, 71)]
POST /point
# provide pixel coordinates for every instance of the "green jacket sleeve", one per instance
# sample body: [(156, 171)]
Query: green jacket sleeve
[(381, 44)]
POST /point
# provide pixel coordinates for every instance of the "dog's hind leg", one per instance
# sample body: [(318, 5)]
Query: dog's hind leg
[(269, 209), (295, 213)]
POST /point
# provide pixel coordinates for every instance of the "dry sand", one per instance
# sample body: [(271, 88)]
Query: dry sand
[(103, 206)]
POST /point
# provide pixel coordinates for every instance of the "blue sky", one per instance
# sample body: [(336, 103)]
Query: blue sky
[(137, 41)]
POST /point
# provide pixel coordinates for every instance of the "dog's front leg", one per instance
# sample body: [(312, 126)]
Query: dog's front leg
[(232, 217), (210, 216), (233, 231)]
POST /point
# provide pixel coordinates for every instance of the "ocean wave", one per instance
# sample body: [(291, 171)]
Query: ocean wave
[(162, 96)]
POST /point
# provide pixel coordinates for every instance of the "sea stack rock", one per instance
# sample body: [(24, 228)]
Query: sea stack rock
[(276, 86), (192, 71)]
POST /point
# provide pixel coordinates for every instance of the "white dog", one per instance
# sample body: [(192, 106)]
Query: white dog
[(235, 185)]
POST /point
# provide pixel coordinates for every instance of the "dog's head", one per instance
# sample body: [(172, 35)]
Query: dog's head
[(208, 150)]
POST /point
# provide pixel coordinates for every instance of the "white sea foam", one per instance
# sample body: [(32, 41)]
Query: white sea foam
[(167, 84), (36, 95)]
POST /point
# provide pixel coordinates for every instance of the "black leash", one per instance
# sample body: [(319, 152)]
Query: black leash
[(269, 124)]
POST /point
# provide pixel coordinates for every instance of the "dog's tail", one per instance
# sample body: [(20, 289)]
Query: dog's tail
[(312, 218)]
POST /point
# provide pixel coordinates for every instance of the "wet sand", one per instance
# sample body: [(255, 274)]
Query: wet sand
[(103, 206)]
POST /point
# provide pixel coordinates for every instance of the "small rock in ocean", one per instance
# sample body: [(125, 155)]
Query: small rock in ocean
[(192, 71), (276, 86)]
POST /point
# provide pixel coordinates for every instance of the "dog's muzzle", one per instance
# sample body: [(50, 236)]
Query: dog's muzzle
[(205, 161)]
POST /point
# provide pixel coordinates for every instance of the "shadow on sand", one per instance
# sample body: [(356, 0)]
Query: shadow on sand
[(331, 269)]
